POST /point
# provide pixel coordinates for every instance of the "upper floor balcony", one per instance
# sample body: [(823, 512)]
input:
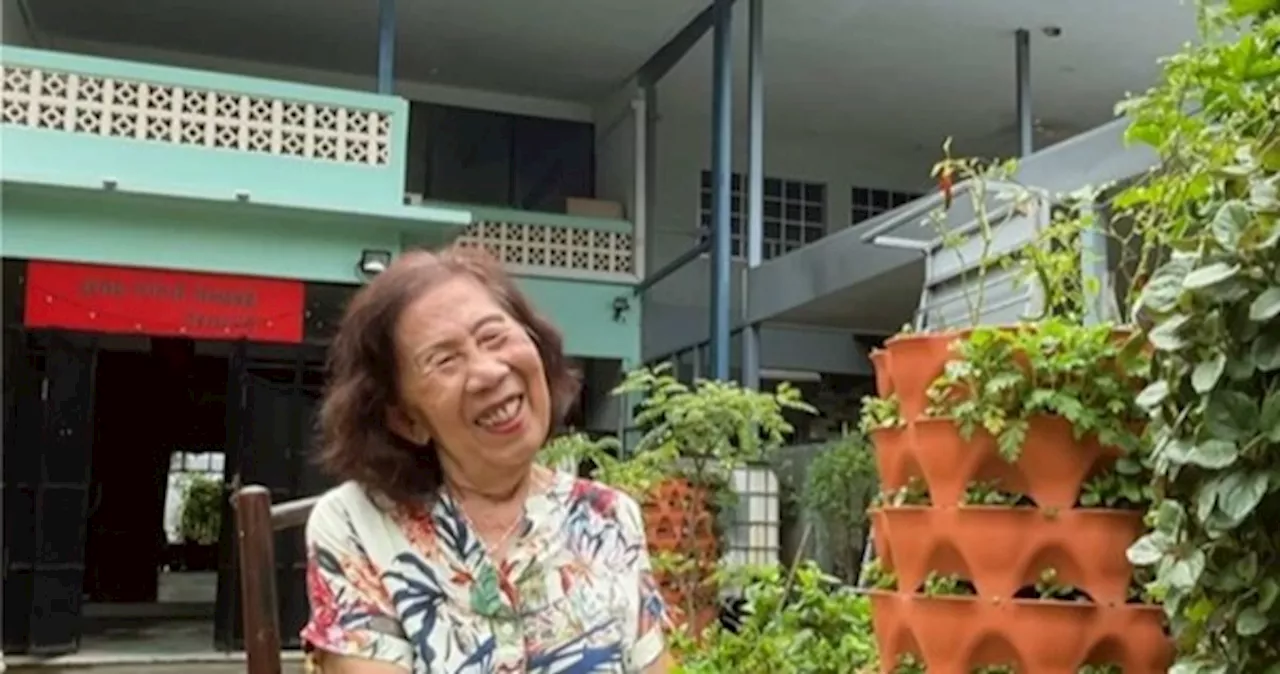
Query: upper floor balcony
[(91, 123)]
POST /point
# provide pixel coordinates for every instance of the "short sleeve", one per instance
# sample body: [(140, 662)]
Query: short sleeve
[(351, 612), (648, 613)]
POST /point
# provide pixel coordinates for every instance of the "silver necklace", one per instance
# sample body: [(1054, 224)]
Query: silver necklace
[(493, 548)]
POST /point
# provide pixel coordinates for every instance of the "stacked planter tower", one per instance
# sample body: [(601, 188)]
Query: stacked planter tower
[(1001, 550)]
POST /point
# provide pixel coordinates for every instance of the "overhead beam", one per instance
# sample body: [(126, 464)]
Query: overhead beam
[(669, 54)]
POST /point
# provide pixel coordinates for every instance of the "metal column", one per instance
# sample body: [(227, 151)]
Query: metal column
[(721, 169), (1022, 67), (755, 185), (386, 46)]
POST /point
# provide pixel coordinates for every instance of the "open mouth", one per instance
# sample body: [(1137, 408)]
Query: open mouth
[(502, 416)]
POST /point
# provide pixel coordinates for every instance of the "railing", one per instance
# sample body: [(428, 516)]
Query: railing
[(197, 133), (556, 245)]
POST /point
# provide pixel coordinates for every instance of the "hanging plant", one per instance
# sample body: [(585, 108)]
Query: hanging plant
[(201, 519), (1209, 218)]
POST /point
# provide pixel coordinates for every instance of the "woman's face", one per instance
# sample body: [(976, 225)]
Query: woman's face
[(471, 379)]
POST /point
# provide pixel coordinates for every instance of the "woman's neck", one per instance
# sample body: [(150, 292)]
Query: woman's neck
[(490, 491)]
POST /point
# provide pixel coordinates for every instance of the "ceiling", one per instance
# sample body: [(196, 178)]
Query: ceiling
[(906, 72)]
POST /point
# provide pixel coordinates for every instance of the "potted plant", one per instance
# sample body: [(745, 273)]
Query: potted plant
[(692, 439), (997, 429), (798, 621), (200, 522), (1210, 221), (838, 485)]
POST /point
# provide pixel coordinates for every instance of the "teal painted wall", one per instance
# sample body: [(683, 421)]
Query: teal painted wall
[(584, 312), (56, 157), (130, 230), (227, 238)]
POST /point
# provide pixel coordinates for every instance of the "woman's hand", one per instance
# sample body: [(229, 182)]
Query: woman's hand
[(665, 664), (329, 663)]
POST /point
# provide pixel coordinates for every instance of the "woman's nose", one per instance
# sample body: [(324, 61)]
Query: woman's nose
[(487, 371)]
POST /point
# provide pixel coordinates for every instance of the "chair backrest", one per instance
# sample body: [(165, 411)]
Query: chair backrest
[(257, 521)]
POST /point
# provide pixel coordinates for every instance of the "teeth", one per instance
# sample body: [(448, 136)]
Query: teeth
[(502, 414)]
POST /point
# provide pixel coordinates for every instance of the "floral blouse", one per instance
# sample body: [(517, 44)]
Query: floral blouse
[(416, 587)]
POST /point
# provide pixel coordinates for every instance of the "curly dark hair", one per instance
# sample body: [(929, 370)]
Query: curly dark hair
[(356, 442)]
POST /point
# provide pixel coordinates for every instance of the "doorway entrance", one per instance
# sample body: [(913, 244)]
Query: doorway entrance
[(156, 489), (120, 452)]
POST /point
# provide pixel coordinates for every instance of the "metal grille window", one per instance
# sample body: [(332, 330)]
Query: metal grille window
[(867, 202), (795, 213)]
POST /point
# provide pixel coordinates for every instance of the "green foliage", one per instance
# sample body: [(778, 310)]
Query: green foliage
[(1003, 377), (805, 624), (879, 413), (711, 423), (1208, 218), (201, 519), (1048, 587), (990, 493), (914, 493), (877, 577), (839, 483), (947, 585), (1126, 487)]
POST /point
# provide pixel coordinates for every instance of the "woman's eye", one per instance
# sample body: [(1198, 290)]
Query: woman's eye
[(493, 338)]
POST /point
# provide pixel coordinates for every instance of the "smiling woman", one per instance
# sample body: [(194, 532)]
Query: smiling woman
[(447, 550)]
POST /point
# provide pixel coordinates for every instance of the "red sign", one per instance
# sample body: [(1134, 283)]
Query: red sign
[(162, 303)]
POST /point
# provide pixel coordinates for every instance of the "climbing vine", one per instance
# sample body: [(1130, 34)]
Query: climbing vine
[(1208, 218)]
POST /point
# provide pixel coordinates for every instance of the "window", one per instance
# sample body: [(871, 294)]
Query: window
[(499, 159), (795, 213), (866, 203)]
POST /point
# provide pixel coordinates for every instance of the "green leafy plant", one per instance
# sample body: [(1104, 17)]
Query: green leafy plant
[(699, 433), (1125, 487), (989, 493), (1208, 218), (877, 577), (1003, 377), (909, 663), (1049, 587), (201, 518), (798, 622), (946, 585), (914, 493), (879, 413), (839, 483)]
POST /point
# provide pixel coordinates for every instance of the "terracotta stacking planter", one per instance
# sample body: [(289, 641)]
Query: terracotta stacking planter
[(1002, 551), (678, 520)]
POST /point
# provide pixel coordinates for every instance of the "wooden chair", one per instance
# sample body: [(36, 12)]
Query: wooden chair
[(257, 521)]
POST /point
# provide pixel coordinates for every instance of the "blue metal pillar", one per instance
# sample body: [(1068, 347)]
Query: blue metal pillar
[(721, 170), (755, 184), (386, 46), (1022, 68)]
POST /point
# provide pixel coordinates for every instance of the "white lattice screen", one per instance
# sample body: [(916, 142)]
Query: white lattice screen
[(570, 248), (125, 108)]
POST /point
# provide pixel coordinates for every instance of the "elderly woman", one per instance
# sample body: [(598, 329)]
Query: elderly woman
[(448, 550)]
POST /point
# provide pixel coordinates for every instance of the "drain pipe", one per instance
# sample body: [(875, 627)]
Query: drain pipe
[(755, 186)]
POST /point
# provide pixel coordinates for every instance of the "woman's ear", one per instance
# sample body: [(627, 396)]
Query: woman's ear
[(402, 425)]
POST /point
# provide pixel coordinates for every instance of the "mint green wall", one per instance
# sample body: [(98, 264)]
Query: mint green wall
[(130, 230), (584, 312), (105, 228), (53, 157)]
